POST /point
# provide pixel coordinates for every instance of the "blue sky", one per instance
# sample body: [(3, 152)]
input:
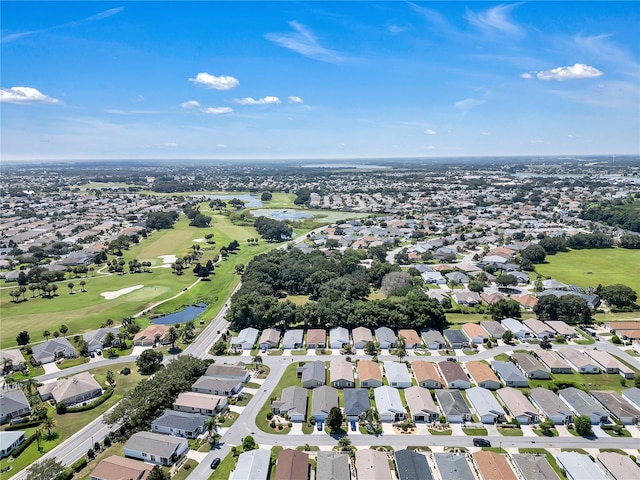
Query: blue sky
[(91, 80)]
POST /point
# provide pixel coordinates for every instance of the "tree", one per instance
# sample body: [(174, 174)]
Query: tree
[(46, 334), (219, 348), (334, 419), (537, 286), (618, 295), (82, 284), (188, 332), (507, 337), (239, 269), (370, 348), (534, 253), (47, 469), (257, 362), (344, 443), (70, 285), (64, 329), (476, 286), (111, 379), (401, 348), (266, 196), (48, 423), (371, 417), (505, 308), (393, 281), (157, 473), (211, 426), (173, 336), (506, 279), (248, 443), (23, 338), (149, 361), (583, 425)]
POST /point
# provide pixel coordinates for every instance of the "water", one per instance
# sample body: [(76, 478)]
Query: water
[(250, 201), (183, 316), (285, 214)]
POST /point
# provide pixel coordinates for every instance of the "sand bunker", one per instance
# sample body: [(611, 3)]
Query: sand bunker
[(168, 258), (122, 291), (199, 240)]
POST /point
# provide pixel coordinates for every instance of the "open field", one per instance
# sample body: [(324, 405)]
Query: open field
[(588, 268)]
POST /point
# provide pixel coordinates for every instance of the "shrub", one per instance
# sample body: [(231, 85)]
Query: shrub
[(103, 398), (28, 441), (78, 464), (126, 371), (23, 425), (61, 408), (269, 415), (272, 424)]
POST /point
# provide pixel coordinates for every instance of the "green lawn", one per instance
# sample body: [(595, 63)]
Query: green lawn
[(440, 432), (223, 472), (592, 381), (289, 379), (72, 362), (476, 432), (510, 432), (588, 268), (185, 470)]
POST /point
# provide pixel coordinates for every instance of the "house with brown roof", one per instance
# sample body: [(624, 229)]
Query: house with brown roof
[(369, 374), (411, 338), (118, 468), (454, 376), (195, 402), (270, 338), (151, 335), (563, 328), (292, 465), (518, 405), (493, 466), (421, 405), (341, 374), (526, 301), (540, 329), (316, 338), (554, 362), (482, 375), (426, 374), (361, 335), (372, 465), (475, 333)]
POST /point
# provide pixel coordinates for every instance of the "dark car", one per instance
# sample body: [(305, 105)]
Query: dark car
[(451, 359), (215, 463), (481, 442)]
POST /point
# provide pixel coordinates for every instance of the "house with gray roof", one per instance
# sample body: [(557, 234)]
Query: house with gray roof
[(592, 300), (626, 413), (610, 364), (534, 467), (518, 405), (453, 406), (539, 329), (227, 371), (466, 298), (579, 361), (293, 402), (9, 441), (155, 448), (217, 386), (341, 374), (313, 374), (453, 466), (582, 404), (323, 400), (356, 402), (13, 358), (97, 339), (486, 405), (70, 391), (245, 340), (412, 465), (386, 337), (372, 465), (332, 466), (530, 366), (433, 339), (421, 406), (509, 374), (494, 329), (517, 328), (254, 465), (453, 375), (339, 337), (458, 278), (433, 278), (361, 335), (389, 404), (179, 424), (617, 466), (13, 404), (397, 374), (50, 350), (551, 406), (579, 467), (554, 362), (632, 395), (293, 339), (455, 338)]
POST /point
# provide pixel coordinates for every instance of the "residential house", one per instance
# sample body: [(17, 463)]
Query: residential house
[(372, 465), (151, 335), (579, 361), (11, 360), (518, 405), (155, 448), (582, 404), (626, 413), (475, 333), (10, 440), (453, 406), (592, 300), (517, 328), (433, 340), (253, 465), (119, 468), (421, 406), (533, 467), (397, 374), (554, 362), (579, 467), (293, 339), (618, 466), (412, 465), (411, 338), (217, 386), (179, 424), (338, 337), (356, 402), (454, 376), (361, 335), (293, 402), (531, 367), (426, 374), (316, 338), (493, 466), (455, 338), (270, 338), (97, 339), (389, 404), (526, 301), (482, 375), (50, 350), (491, 298), (369, 374), (466, 298), (323, 400), (610, 364), (199, 403), (385, 337), (539, 329), (457, 278), (453, 466), (313, 374), (509, 374), (494, 329), (245, 340), (227, 371), (632, 395), (332, 466), (13, 404), (486, 405), (433, 278), (70, 391), (341, 374), (551, 406), (562, 328)]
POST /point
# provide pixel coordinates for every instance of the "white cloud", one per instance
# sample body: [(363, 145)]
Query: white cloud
[(223, 82), (484, 134), (305, 42), (428, 131), (24, 95), (468, 103), (218, 110), (268, 100), (139, 98), (496, 18), (190, 104), (294, 99), (171, 144), (526, 76), (221, 145), (576, 72)]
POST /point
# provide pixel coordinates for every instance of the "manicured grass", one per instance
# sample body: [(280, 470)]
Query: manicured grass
[(552, 431), (72, 362), (590, 381), (297, 299), (510, 432), (299, 352), (440, 432), (623, 433), (476, 432), (606, 266), (251, 385), (586, 338), (502, 357), (499, 450), (223, 472), (185, 470), (289, 378), (229, 418)]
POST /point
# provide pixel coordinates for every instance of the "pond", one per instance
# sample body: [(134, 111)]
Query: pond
[(250, 201), (186, 315), (285, 214)]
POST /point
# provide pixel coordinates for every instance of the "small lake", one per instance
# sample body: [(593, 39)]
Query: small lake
[(186, 315), (250, 201), (280, 214)]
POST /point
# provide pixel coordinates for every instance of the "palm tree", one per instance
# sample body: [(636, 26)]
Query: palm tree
[(70, 285), (28, 385), (46, 334), (48, 423), (109, 338), (64, 329), (187, 332), (212, 428), (172, 336), (371, 417), (401, 348), (54, 288), (257, 362), (111, 380), (82, 284)]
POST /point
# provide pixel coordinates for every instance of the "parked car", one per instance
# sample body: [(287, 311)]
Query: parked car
[(451, 359), (481, 442), (215, 463)]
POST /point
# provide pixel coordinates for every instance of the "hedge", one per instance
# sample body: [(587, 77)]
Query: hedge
[(23, 446), (78, 464), (23, 425), (103, 398)]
